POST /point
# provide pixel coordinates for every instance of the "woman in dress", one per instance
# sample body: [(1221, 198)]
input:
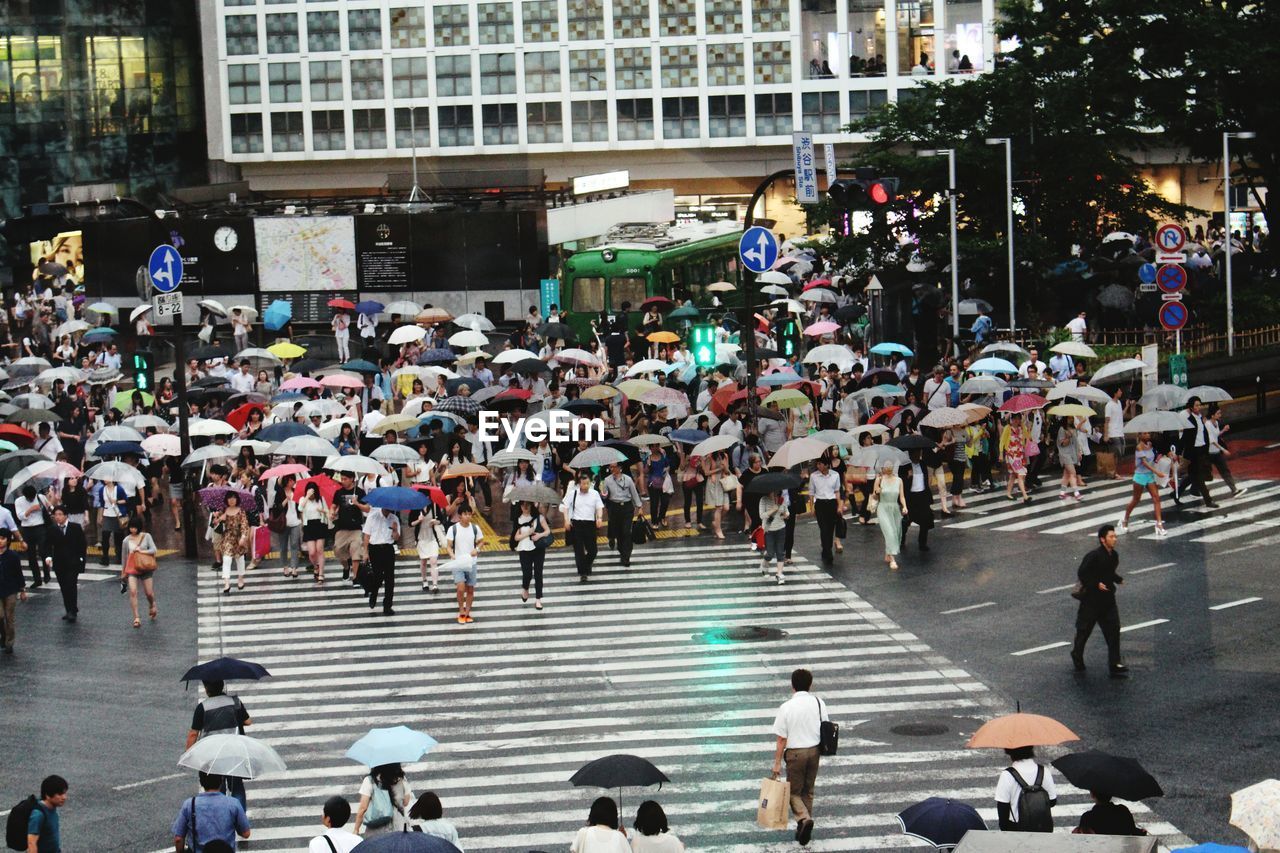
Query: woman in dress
[(890, 506), (716, 469), (1069, 458), (390, 778), (138, 568), (428, 528), (656, 480), (314, 515), (1145, 475), (530, 536), (235, 540), (1014, 439)]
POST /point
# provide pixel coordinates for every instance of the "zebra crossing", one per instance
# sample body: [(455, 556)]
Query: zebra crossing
[(520, 699), (1103, 502)]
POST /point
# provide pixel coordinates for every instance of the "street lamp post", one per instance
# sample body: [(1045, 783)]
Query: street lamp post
[(1226, 225), (951, 197), (874, 291), (1008, 200)]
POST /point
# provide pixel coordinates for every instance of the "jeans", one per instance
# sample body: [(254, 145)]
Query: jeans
[(584, 546), (383, 560), (802, 773), (531, 569), (289, 544), (234, 787), (775, 545)]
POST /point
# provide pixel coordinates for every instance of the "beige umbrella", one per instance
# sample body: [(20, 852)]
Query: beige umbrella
[(974, 411), (721, 287), (649, 438), (945, 418), (1075, 349), (798, 451), (1255, 811), (714, 444), (1071, 410), (600, 392), (1015, 730), (874, 430)]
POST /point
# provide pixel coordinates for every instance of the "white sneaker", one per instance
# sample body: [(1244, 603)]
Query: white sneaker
[(1121, 527), (764, 569), (780, 580)]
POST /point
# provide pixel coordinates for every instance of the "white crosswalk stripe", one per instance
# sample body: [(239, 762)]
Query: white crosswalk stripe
[(520, 699)]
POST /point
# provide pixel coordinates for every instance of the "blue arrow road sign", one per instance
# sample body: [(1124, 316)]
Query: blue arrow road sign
[(1147, 273), (758, 249), (165, 268), (1171, 278)]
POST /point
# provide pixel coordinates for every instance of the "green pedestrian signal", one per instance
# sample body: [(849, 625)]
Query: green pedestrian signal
[(789, 337), (702, 343), (143, 377)]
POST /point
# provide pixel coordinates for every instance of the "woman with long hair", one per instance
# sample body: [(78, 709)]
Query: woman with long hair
[(603, 833), (389, 778), (235, 542), (314, 515), (428, 526), (1014, 440), (693, 485), (286, 526), (139, 567), (657, 479), (347, 442), (263, 384), (252, 424), (1145, 476), (1069, 458), (530, 536)]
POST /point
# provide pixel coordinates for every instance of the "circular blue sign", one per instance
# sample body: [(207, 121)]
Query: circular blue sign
[(165, 268), (1173, 315), (1147, 273), (758, 249)]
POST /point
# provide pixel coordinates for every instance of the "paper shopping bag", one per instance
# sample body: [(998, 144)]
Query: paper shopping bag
[(774, 811), (1106, 463)]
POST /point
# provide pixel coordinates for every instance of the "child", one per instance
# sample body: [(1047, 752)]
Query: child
[(463, 544)]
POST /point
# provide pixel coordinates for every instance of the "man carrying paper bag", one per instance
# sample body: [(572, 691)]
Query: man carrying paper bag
[(798, 727)]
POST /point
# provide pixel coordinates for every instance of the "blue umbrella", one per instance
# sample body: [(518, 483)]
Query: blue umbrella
[(1210, 847), (785, 377), (446, 419), (359, 365), (289, 397), (406, 842), (277, 315), (397, 498), (993, 365), (398, 744), (890, 348), (369, 306), (281, 431), (119, 448), (226, 669), (438, 356), (939, 821), (101, 333), (687, 436)]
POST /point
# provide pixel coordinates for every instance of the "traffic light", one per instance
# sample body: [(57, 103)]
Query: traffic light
[(863, 192), (788, 337), (143, 376), (702, 342)]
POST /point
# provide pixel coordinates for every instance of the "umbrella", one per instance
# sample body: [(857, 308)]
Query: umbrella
[(288, 469), (306, 365), (592, 408), (983, 385), (277, 315), (1071, 388), (459, 405), (786, 398), (877, 455), (369, 306), (557, 332), (878, 376), (213, 306), (457, 382), (407, 334), (974, 411), (797, 451), (1075, 349), (247, 311), (344, 304), (1208, 394), (773, 277), (597, 456), (258, 447), (406, 842), (279, 432), (118, 448), (790, 306), (1116, 368), (1211, 847), (438, 355), (404, 308), (1016, 730), (973, 306), (1006, 346), (465, 469), (475, 322), (1157, 421), (849, 313), (511, 458), (300, 383), (648, 365), (685, 312), (433, 315), (939, 821), (237, 417), (163, 444), (825, 327), (636, 388), (34, 416), (511, 356), (818, 294), (890, 348), (357, 465), (714, 444), (618, 771), (399, 423), (773, 481), (258, 354), (326, 485), (103, 308), (574, 355), (1107, 774), (663, 337), (913, 441), (15, 460), (207, 352), (444, 418), (687, 436), (360, 365), (286, 349), (212, 427), (468, 338), (774, 289), (532, 492), (214, 498), (1255, 810), (397, 498), (782, 377), (648, 439), (209, 453), (1023, 403), (1071, 410), (837, 437), (238, 756), (342, 380), (886, 414), (305, 445), (141, 422), (226, 669), (993, 365), (1164, 397), (945, 418), (28, 366), (398, 744)]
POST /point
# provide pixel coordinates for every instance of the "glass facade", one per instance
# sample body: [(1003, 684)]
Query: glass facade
[(95, 92)]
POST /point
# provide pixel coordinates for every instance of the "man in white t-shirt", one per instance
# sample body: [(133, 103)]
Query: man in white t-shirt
[(1033, 361), (1023, 761), (937, 393), (1113, 425), (1078, 327), (463, 541), (242, 380), (335, 839), (798, 728)]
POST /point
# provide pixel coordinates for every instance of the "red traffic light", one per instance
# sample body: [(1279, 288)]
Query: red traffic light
[(878, 193)]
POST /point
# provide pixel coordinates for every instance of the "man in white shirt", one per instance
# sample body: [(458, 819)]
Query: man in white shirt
[(798, 728), (484, 374), (828, 506), (583, 509), (937, 393), (1078, 327), (47, 444), (242, 379), (731, 425), (334, 839), (1061, 366), (1023, 762), (1034, 361), (1113, 426), (381, 531), (110, 357)]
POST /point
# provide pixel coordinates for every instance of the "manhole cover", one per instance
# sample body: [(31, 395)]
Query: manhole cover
[(740, 634), (920, 729)]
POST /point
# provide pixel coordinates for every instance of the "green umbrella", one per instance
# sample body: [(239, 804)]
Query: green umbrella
[(685, 312), (123, 400)]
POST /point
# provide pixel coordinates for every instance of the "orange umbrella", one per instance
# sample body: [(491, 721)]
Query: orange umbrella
[(720, 400), (664, 337), (465, 469), (1014, 730)]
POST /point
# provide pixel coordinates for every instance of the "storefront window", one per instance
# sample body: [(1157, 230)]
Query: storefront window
[(864, 38), (915, 37), (963, 37), (819, 49)]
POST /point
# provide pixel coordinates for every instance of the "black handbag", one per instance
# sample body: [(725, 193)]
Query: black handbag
[(370, 576), (828, 734), (641, 532), (842, 527)]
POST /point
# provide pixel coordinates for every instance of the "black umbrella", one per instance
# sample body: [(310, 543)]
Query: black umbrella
[(531, 366), (207, 352), (879, 376), (774, 481), (200, 395), (557, 331), (237, 400), (210, 382), (306, 365), (765, 352), (1108, 774), (849, 313), (226, 669), (585, 408), (471, 382), (406, 842), (912, 442), (15, 460), (618, 771)]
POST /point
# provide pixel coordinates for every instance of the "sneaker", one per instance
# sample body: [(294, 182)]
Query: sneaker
[(435, 587), (1062, 496), (462, 620), (1238, 492), (1078, 496), (781, 580), (1122, 527), (764, 568)]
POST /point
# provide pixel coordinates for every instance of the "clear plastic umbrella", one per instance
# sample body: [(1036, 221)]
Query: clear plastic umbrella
[(235, 755)]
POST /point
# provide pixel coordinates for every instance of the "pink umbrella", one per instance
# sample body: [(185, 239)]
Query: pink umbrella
[(162, 444), (1023, 403), (339, 380), (285, 470), (299, 383), (817, 282), (826, 327)]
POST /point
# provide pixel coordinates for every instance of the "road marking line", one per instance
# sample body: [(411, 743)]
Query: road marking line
[(1043, 648), (1272, 446), (148, 781), (970, 607), (1249, 600), (1143, 625), (1055, 589), (1152, 568)]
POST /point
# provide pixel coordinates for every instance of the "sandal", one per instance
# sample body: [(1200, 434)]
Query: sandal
[(319, 580), (137, 623), (240, 583), (153, 613)]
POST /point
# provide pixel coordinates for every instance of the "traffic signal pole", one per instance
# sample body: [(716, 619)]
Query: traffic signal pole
[(184, 436), (749, 299)]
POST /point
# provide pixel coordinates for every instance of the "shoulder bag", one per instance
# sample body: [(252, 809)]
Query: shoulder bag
[(873, 502), (828, 733)]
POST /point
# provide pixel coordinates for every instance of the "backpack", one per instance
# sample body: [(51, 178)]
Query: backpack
[(379, 811), (1034, 811), (15, 829)]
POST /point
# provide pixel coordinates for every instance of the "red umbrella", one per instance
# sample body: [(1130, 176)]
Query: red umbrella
[(817, 282), (327, 485), (512, 394), (433, 492), (238, 416), (342, 303), (883, 416), (721, 399), (1023, 403), (18, 435), (662, 303)]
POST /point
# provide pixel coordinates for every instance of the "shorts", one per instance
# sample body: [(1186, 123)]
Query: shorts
[(348, 545), (1143, 478), (465, 575)]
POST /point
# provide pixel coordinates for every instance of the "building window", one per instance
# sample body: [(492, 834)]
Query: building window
[(773, 114), (246, 133), (242, 37), (862, 104), (286, 132), (453, 76), (239, 2), (677, 18), (772, 61), (544, 122), (680, 118), (364, 29), (495, 22), (630, 19), (413, 127), (770, 16), (586, 70), (962, 44), (451, 26), (243, 84), (632, 68), (366, 79), (282, 33), (408, 27), (322, 32), (590, 121), (724, 17), (586, 20), (409, 77), (679, 66), (541, 20), (635, 118), (456, 126), (328, 132), (499, 124), (326, 80), (821, 111), (724, 65), (497, 73), (866, 31), (369, 128), (285, 82), (542, 72), (727, 115)]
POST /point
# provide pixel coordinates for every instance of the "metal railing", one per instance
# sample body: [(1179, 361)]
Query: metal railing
[(1198, 341)]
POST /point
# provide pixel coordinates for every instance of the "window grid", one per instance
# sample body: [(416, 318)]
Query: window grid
[(773, 114), (679, 66), (590, 121), (724, 16), (413, 127), (497, 74), (408, 27), (634, 118), (770, 16), (544, 122), (284, 81), (326, 80), (369, 128), (456, 126), (863, 103), (243, 84), (366, 80), (630, 19), (328, 131), (246, 133), (680, 118), (364, 30), (724, 65), (451, 26), (586, 20), (242, 36), (821, 111), (282, 33), (453, 76), (500, 124), (633, 68), (323, 33), (286, 132), (726, 115), (542, 72), (772, 61), (496, 23), (541, 20), (586, 70), (676, 18), (409, 77)]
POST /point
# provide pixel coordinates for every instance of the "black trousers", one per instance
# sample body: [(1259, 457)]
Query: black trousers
[(1219, 461), (825, 512), (531, 569), (383, 560), (698, 493), (1107, 617), (620, 515), (1199, 458), (957, 476), (34, 537), (584, 546), (67, 584), (1036, 466), (919, 513), (791, 533)]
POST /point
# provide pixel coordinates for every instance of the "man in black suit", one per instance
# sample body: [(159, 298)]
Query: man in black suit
[(64, 549), (1195, 446), (1098, 581)]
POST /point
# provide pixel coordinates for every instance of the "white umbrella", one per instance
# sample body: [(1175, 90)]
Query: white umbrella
[(475, 322), (162, 444), (1075, 349), (33, 471), (1112, 369), (395, 454), (876, 455), (116, 472), (714, 444), (403, 307), (472, 357), (648, 365), (1007, 346), (1157, 421), (511, 356), (983, 385), (71, 327), (797, 451), (774, 290), (139, 311), (1164, 397), (468, 338), (945, 418), (326, 407), (208, 453), (874, 430), (578, 356), (407, 335), (773, 277), (33, 401), (721, 287), (1209, 394), (141, 422), (258, 354), (117, 432), (836, 354), (247, 311), (306, 445), (69, 375), (213, 306), (691, 422), (258, 447), (212, 427), (511, 458), (235, 755), (791, 305), (356, 465), (332, 429), (1071, 388), (818, 294)]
